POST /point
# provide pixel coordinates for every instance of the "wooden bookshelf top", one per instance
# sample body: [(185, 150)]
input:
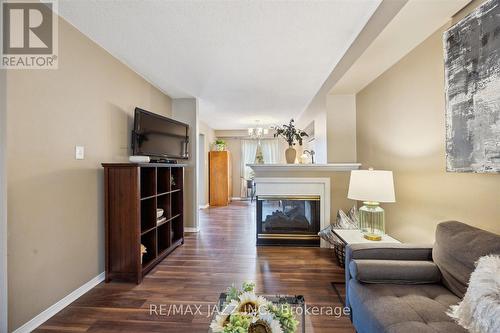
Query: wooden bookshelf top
[(143, 165)]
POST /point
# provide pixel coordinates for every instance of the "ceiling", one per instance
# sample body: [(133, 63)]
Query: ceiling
[(416, 21), (245, 60)]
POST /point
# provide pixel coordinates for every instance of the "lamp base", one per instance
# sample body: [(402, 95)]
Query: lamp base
[(373, 237), (372, 221)]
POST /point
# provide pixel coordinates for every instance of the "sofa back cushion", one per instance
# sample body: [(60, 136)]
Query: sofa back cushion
[(458, 246)]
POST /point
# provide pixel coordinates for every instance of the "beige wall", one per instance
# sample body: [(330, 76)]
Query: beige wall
[(186, 110), (3, 203), (400, 127), (209, 134), (234, 146), (55, 203), (341, 128)]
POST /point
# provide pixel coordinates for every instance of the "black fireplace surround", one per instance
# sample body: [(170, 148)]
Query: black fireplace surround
[(288, 220)]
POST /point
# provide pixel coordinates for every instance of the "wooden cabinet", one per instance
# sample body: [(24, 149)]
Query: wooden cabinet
[(221, 186), (133, 193)]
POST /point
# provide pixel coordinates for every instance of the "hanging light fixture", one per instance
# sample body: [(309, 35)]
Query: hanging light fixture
[(257, 132)]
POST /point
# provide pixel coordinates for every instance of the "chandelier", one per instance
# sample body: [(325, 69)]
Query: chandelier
[(257, 132)]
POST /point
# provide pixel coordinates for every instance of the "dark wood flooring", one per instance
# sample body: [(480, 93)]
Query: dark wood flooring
[(223, 253)]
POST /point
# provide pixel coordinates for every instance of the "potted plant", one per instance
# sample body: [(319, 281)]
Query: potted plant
[(292, 135), (220, 145)]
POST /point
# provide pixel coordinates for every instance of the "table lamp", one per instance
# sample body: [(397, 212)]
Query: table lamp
[(371, 187)]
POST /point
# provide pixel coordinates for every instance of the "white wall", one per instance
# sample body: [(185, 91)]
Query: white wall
[(186, 110), (3, 206)]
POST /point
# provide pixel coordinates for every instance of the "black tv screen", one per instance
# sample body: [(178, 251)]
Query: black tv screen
[(159, 137)]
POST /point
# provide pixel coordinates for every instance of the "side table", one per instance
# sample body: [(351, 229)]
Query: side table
[(353, 236)]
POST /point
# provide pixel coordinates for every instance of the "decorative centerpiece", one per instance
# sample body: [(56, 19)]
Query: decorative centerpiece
[(292, 135), (243, 311)]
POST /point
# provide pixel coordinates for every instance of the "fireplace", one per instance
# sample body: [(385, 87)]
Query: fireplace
[(290, 220)]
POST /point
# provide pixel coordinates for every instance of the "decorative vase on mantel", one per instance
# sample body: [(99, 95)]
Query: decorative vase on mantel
[(292, 135), (290, 155)]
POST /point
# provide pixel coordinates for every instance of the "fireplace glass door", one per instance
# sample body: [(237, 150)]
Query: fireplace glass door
[(288, 220)]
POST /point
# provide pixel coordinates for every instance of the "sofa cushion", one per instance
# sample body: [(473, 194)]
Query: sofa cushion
[(395, 308), (458, 246), (394, 271)]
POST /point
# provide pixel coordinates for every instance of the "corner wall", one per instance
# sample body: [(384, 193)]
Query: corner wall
[(186, 110), (55, 203), (341, 124), (401, 127), (209, 140)]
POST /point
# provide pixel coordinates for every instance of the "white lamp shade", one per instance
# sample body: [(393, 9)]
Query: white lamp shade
[(371, 185)]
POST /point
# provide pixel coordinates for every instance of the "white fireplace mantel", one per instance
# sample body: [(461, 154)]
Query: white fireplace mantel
[(305, 167)]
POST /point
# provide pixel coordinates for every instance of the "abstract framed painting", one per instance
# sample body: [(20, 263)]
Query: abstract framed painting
[(472, 91)]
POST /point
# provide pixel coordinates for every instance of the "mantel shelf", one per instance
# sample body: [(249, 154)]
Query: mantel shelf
[(306, 167)]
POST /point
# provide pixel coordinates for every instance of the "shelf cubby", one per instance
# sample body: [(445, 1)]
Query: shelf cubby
[(148, 214), (176, 229), (163, 202), (163, 235), (177, 202), (149, 241), (148, 182), (176, 179), (163, 180)]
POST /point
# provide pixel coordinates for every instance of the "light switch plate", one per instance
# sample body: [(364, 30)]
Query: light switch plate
[(79, 152)]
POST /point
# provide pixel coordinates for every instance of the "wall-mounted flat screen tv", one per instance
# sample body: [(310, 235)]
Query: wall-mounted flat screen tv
[(159, 137)]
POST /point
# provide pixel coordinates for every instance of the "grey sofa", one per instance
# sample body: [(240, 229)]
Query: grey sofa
[(407, 288)]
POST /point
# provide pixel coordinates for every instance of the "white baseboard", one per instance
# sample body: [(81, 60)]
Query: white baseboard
[(55, 308), (191, 229), (237, 198), (204, 206)]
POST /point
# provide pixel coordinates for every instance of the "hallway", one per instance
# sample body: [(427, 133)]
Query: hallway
[(223, 253)]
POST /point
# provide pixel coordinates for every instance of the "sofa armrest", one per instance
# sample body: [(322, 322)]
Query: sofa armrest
[(394, 271), (388, 251), (383, 251)]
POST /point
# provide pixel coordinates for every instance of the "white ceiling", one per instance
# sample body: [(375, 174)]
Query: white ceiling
[(246, 60), (416, 21)]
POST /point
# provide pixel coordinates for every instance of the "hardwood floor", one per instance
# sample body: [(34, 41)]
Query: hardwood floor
[(223, 253)]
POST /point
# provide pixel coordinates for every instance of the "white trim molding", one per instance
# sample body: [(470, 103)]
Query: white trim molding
[(306, 167), (237, 199), (204, 206), (191, 229), (55, 308), (299, 186)]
